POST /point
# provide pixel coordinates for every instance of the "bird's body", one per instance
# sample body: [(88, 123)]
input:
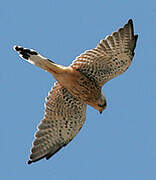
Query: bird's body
[(78, 85)]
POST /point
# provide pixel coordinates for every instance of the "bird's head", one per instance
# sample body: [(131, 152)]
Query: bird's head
[(100, 104)]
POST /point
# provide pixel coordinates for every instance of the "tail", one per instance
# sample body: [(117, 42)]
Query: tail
[(37, 59)]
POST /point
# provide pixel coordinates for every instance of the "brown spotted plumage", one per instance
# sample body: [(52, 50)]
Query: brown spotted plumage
[(78, 85), (64, 117), (110, 58)]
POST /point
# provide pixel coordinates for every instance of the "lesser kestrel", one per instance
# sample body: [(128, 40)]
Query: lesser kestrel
[(78, 85)]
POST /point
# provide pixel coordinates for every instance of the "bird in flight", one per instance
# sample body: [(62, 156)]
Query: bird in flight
[(78, 85)]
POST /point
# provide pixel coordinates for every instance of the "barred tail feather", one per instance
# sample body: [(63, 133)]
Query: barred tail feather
[(37, 59)]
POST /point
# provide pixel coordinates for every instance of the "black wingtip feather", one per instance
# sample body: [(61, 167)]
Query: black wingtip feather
[(29, 162), (135, 41), (134, 37), (49, 155), (130, 21), (32, 161)]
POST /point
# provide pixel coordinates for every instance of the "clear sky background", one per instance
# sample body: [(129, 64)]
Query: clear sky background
[(120, 144)]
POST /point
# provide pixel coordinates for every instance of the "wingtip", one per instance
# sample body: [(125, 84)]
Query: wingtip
[(136, 36), (29, 162), (130, 21)]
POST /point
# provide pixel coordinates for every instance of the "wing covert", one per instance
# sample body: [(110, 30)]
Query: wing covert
[(64, 117)]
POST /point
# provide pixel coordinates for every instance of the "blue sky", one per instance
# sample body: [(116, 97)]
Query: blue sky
[(120, 143)]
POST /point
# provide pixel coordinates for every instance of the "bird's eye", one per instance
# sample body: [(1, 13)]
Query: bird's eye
[(102, 105)]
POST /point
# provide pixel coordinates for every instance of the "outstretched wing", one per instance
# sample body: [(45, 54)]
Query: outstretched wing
[(64, 117), (110, 58)]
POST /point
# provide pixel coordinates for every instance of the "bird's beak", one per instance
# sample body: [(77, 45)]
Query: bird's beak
[(100, 112)]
